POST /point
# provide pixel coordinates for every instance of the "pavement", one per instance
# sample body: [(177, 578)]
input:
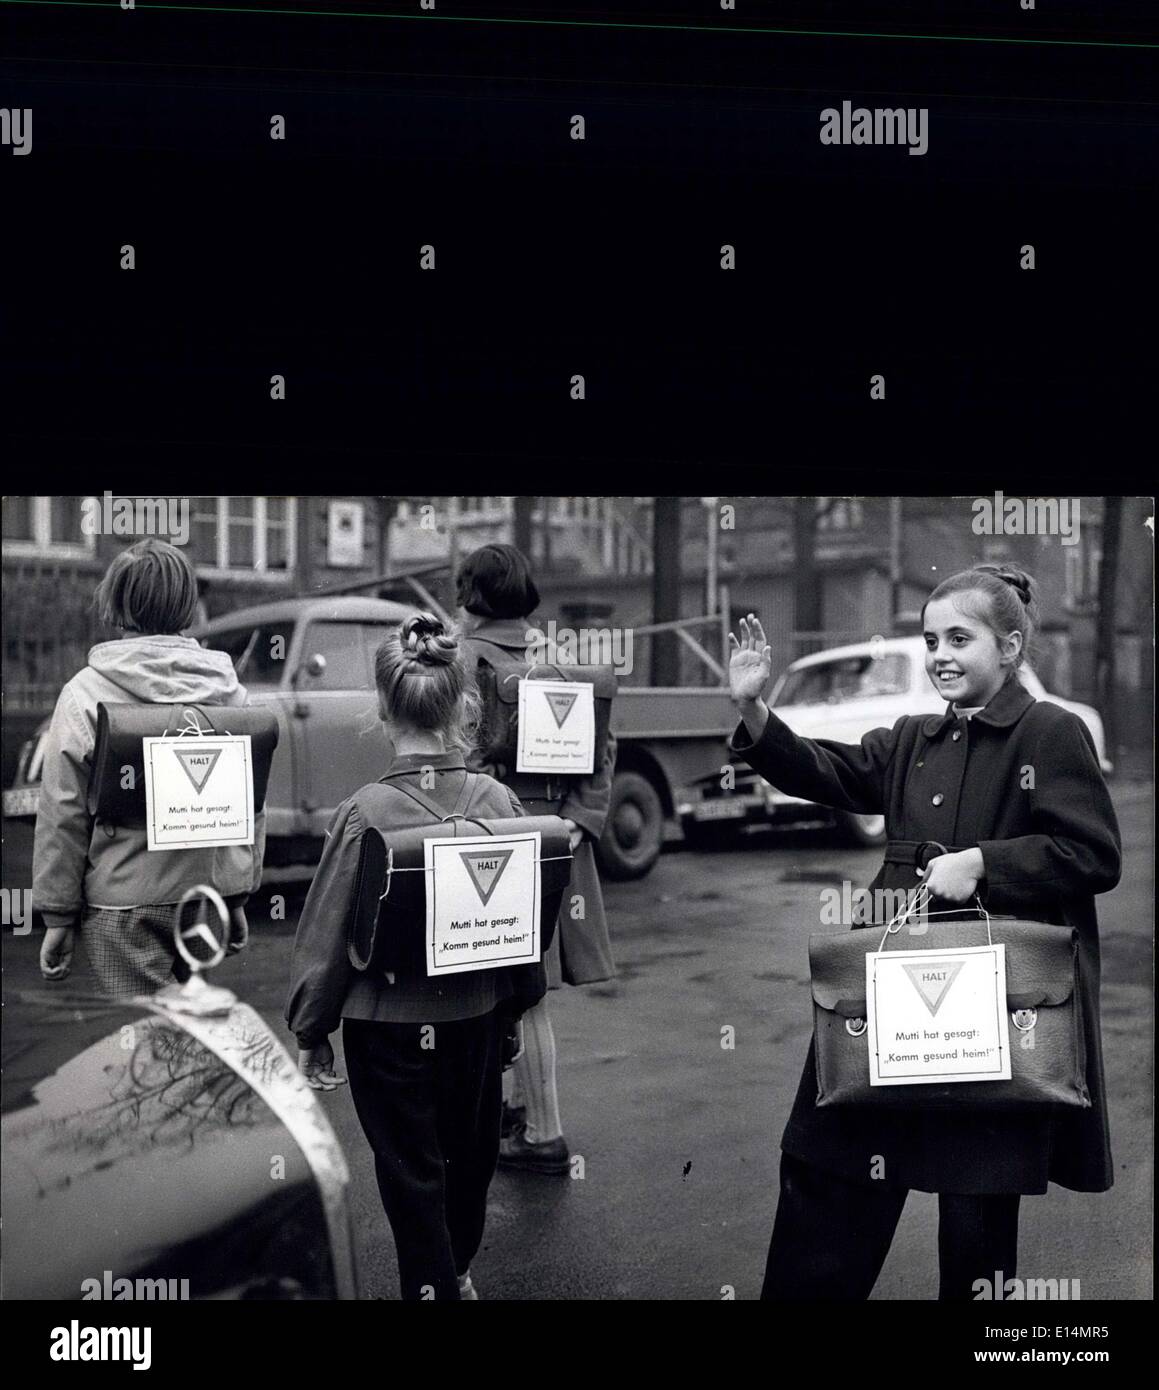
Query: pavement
[(679, 1136)]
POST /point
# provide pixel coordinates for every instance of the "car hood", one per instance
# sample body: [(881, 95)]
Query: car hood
[(131, 1147)]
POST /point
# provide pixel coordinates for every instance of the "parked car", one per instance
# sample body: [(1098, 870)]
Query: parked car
[(840, 694), (165, 1146)]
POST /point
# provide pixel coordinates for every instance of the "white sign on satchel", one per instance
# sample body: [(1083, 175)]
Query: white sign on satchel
[(937, 1016), (557, 727), (199, 791)]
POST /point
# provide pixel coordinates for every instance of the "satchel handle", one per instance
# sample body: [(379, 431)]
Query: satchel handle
[(896, 925), (547, 666), (191, 726)]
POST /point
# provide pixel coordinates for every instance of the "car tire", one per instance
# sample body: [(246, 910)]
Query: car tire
[(866, 831), (634, 832)]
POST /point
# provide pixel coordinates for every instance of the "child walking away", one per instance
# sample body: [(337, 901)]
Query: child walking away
[(1002, 797), (496, 595), (103, 877), (425, 1056)]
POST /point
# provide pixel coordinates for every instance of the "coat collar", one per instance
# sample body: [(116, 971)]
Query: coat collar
[(440, 762), (504, 632), (1005, 708)]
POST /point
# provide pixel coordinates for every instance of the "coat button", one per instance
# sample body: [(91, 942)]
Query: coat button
[(937, 800), (956, 735)]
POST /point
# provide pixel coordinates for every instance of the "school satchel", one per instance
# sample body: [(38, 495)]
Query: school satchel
[(1047, 1043), (122, 727), (497, 679), (387, 924)]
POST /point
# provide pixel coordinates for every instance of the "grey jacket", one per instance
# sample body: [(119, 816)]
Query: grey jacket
[(76, 862)]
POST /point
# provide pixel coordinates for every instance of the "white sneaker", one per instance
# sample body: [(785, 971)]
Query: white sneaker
[(467, 1291)]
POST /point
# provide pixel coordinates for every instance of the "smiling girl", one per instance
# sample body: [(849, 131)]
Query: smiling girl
[(1000, 796)]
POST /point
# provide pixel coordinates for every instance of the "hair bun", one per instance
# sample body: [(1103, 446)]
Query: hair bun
[(1019, 580), (424, 638)]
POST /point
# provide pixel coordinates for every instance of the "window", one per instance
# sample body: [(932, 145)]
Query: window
[(244, 535), (258, 654), (844, 514), (1081, 574), (348, 664), (46, 526)]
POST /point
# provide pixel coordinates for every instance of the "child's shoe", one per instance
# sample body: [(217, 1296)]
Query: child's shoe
[(549, 1157)]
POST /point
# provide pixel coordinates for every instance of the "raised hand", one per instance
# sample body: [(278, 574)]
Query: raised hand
[(750, 664)]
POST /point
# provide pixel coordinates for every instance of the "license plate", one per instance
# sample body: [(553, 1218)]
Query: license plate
[(21, 801), (722, 808)]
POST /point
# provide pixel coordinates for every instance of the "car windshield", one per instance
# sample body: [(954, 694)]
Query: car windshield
[(258, 653), (850, 678)]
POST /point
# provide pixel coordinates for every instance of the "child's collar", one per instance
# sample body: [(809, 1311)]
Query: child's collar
[(1003, 710)]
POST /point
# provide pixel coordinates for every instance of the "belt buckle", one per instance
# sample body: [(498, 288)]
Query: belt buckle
[(923, 856)]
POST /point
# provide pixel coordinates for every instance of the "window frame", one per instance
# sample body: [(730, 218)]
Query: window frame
[(42, 545), (259, 570)]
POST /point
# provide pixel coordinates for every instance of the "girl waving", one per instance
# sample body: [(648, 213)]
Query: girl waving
[(1002, 796)]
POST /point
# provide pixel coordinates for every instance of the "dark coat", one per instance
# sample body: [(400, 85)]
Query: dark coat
[(1020, 781), (581, 952)]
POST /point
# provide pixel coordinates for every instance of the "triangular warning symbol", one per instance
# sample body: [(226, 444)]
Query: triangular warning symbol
[(486, 869), (933, 979), (560, 702), (198, 764)]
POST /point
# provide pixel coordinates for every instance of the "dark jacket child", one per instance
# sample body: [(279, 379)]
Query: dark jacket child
[(430, 1112), (1038, 847), (104, 879), (496, 595)]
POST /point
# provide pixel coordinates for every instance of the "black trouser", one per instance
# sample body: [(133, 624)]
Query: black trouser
[(432, 1117), (831, 1237)]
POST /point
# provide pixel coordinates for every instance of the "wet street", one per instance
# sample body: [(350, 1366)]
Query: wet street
[(679, 1136)]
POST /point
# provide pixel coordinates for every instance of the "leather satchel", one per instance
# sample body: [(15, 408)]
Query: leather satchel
[(387, 926), (497, 679), (121, 729), (1041, 996)]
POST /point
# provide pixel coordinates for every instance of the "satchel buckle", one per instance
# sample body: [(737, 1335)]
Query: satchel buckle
[(1024, 1019), (855, 1027)]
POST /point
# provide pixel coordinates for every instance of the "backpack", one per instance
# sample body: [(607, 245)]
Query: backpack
[(119, 799), (497, 678), (386, 929)]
